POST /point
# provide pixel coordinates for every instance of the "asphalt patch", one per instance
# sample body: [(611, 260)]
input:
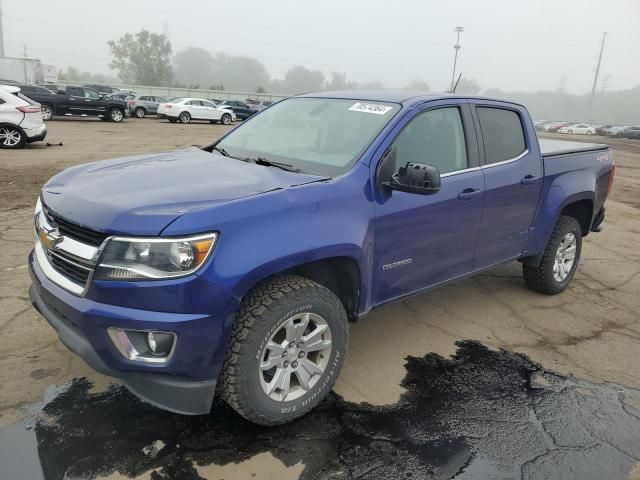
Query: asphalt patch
[(480, 414)]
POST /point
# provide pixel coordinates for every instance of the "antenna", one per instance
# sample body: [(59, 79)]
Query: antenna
[(453, 90)]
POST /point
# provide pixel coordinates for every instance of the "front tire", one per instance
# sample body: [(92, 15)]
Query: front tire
[(12, 137), (116, 115), (559, 260), (140, 112), (47, 112), (226, 119), (184, 117), (286, 350)]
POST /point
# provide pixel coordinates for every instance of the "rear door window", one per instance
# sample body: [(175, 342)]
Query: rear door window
[(502, 134)]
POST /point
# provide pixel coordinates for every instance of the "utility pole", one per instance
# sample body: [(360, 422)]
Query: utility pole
[(595, 77), (456, 47), (24, 47), (1, 34)]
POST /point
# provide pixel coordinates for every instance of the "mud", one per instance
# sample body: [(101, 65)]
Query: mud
[(479, 414)]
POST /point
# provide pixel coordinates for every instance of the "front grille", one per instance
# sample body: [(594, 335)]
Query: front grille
[(75, 231), (70, 270)]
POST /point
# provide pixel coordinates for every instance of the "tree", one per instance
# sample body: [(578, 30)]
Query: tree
[(142, 59), (419, 85), (468, 86), (300, 79), (194, 65), (261, 90), (239, 73)]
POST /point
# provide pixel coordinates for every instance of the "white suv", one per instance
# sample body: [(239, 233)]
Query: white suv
[(20, 119)]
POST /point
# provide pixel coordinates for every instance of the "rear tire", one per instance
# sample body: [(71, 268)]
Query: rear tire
[(185, 117), (559, 260), (12, 137), (274, 354)]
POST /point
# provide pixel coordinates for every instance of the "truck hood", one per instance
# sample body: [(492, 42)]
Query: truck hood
[(141, 195)]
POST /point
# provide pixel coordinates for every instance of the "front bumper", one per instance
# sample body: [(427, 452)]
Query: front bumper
[(186, 384)]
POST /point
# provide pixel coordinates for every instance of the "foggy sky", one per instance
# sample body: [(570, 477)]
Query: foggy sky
[(521, 45)]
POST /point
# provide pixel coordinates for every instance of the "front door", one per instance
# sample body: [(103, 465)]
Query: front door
[(424, 240)]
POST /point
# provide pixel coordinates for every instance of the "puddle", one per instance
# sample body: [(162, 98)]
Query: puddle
[(482, 414)]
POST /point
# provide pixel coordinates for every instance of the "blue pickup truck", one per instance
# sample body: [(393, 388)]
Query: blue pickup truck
[(237, 267)]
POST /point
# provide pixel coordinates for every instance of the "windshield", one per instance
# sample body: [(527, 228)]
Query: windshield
[(320, 136)]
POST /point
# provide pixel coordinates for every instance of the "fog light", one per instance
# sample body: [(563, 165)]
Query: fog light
[(160, 343), (143, 346)]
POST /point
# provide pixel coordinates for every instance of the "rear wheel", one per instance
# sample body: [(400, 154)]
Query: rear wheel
[(140, 112), (286, 350), (559, 260), (226, 119), (47, 112), (12, 137), (184, 117), (116, 115)]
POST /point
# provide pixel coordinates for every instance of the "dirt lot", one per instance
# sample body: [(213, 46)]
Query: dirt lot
[(592, 331)]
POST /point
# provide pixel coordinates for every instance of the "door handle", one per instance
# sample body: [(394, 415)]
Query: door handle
[(468, 194), (528, 180)]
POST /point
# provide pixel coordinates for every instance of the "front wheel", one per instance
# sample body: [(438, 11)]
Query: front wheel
[(226, 119), (184, 117), (140, 112), (286, 350), (559, 260), (12, 137), (116, 115), (47, 112)]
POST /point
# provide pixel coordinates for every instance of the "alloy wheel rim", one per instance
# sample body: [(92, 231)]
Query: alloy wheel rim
[(9, 137), (565, 257), (116, 115), (46, 113), (140, 113), (295, 357), (226, 119)]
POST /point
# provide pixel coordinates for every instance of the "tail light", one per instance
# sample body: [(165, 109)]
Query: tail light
[(30, 109), (611, 175)]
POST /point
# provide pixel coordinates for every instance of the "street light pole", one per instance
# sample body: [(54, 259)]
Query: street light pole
[(456, 47)]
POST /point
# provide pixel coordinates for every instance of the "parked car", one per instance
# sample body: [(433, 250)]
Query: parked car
[(20, 119), (104, 89), (554, 126), (235, 268), (81, 101), (142, 105), (632, 132), (184, 110), (578, 129), (601, 129), (124, 96), (241, 109), (617, 132), (29, 90)]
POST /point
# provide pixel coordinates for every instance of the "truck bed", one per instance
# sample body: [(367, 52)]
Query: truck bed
[(550, 148)]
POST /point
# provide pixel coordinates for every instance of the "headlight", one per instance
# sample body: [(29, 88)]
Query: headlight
[(153, 258)]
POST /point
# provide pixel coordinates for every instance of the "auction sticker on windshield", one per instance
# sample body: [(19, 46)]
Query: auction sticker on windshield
[(370, 108)]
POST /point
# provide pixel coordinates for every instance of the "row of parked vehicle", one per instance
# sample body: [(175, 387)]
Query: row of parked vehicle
[(607, 130)]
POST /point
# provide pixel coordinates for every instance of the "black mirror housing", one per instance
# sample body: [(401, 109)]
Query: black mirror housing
[(414, 177)]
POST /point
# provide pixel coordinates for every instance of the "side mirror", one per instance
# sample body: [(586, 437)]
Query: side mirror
[(414, 177)]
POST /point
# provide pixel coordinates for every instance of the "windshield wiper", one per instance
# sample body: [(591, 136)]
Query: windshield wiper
[(222, 151), (270, 163)]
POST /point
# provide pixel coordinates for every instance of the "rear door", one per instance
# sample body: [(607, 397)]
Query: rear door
[(512, 168), (423, 240)]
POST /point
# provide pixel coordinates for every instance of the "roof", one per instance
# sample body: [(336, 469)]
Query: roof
[(405, 97), (10, 88)]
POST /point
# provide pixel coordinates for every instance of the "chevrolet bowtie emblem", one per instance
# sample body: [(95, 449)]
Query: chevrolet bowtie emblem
[(48, 239)]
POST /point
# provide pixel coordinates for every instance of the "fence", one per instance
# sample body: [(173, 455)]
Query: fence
[(189, 92)]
